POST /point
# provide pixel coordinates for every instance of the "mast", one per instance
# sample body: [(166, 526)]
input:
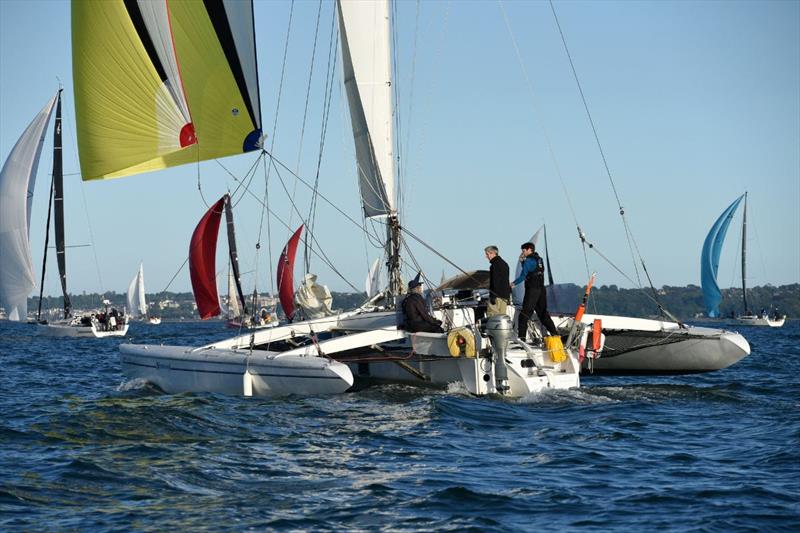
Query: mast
[(393, 249), (234, 256), (58, 204), (744, 254)]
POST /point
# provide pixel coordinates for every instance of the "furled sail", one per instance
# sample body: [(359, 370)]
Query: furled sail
[(202, 261), (286, 274), (160, 84), (366, 60), (709, 259), (137, 305), (315, 300), (17, 181)]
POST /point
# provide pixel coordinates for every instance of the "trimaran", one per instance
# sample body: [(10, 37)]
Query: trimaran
[(182, 80)]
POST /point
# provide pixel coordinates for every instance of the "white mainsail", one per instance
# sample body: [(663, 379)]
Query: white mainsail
[(136, 301), (17, 182), (366, 58)]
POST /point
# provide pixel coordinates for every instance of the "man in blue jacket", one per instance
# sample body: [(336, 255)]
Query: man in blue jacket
[(535, 294)]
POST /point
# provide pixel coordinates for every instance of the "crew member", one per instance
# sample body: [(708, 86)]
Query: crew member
[(499, 290), (417, 317), (535, 294)]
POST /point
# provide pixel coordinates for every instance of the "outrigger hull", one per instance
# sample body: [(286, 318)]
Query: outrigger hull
[(643, 346), (180, 369)]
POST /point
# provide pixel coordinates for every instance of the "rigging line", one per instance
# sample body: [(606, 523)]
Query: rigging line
[(333, 54), (619, 270), (279, 219), (66, 122), (538, 114), (628, 233), (436, 252), (91, 238), (305, 109), (320, 195), (309, 232), (269, 233), (175, 275), (432, 87), (396, 111), (410, 115)]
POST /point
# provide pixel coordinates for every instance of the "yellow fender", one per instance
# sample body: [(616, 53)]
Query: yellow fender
[(461, 341), (555, 347)]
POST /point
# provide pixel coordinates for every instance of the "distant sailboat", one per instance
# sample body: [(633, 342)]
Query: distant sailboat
[(17, 181), (137, 303), (709, 266)]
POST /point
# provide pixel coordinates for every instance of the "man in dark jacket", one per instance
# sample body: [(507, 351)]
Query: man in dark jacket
[(499, 290), (416, 313), (535, 294)]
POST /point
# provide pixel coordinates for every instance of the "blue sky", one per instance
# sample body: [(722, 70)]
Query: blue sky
[(694, 102)]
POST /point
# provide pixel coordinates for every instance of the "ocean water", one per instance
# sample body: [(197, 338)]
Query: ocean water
[(82, 449)]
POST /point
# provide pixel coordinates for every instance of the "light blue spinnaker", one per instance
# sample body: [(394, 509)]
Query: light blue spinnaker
[(709, 259)]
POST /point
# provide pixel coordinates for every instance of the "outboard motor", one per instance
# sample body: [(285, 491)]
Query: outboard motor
[(499, 328)]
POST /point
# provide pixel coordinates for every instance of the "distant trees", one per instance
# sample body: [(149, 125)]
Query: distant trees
[(683, 302)]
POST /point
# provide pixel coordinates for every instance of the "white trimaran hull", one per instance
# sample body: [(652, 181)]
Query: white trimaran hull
[(365, 343)]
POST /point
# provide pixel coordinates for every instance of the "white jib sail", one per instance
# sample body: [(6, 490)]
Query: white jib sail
[(17, 181), (366, 59), (234, 310), (136, 300)]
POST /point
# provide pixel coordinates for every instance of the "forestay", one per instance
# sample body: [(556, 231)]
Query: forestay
[(17, 182)]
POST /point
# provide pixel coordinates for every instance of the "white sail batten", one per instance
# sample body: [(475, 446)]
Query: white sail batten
[(17, 182), (365, 34), (137, 304)]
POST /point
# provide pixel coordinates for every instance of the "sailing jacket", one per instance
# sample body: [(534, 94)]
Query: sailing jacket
[(532, 272), (416, 310), (498, 279)]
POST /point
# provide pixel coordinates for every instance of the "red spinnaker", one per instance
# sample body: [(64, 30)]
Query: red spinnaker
[(202, 261), (286, 274)]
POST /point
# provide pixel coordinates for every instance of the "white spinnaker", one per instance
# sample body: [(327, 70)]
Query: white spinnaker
[(234, 309), (366, 60), (17, 182), (518, 292), (373, 283), (137, 304)]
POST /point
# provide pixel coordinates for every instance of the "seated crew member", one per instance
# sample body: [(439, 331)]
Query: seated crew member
[(416, 313)]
